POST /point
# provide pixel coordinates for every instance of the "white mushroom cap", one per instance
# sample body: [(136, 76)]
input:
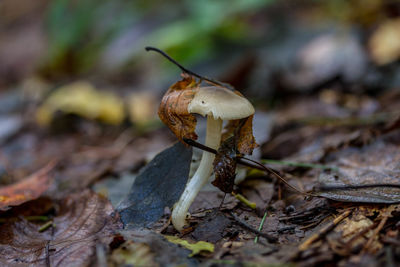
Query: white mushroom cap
[(220, 103)]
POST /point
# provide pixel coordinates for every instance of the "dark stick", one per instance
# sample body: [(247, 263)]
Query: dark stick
[(47, 253), (265, 168), (251, 229), (243, 161), (211, 150), (150, 48)]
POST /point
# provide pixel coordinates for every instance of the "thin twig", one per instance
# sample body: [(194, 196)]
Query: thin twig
[(300, 164), (251, 229), (47, 253), (212, 81), (247, 162), (265, 168), (323, 231), (375, 233)]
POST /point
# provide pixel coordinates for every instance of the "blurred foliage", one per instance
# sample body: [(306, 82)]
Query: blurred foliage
[(79, 31), (77, 34)]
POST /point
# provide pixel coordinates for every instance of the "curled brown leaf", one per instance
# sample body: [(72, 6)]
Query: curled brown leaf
[(173, 110), (242, 129)]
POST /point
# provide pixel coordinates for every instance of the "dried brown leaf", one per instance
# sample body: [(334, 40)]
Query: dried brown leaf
[(225, 166), (28, 189), (242, 129), (84, 220), (173, 110)]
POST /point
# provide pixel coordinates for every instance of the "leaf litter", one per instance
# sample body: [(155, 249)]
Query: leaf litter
[(28, 189), (80, 222), (335, 125)]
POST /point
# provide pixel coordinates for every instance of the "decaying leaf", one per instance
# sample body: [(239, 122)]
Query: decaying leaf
[(359, 170), (242, 129), (225, 166), (196, 248), (173, 110), (27, 189), (237, 139), (83, 220), (159, 185), (350, 229)]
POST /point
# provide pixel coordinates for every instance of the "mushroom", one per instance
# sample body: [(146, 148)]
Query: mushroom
[(218, 104)]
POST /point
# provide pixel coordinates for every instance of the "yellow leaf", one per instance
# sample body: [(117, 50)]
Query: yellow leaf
[(196, 248), (384, 44), (82, 99)]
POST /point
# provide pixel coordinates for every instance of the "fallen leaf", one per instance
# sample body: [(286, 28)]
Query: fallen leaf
[(28, 189), (376, 164), (83, 220), (196, 248), (224, 166), (173, 110), (159, 185), (237, 139), (384, 44), (83, 99), (242, 129)]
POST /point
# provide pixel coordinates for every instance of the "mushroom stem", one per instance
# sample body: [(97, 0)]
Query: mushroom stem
[(193, 186)]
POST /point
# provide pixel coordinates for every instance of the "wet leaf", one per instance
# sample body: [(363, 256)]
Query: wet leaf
[(196, 248), (159, 185), (173, 110), (28, 189), (225, 166), (83, 220), (243, 131), (376, 164)]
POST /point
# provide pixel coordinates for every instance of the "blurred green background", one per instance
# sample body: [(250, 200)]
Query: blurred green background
[(268, 49)]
